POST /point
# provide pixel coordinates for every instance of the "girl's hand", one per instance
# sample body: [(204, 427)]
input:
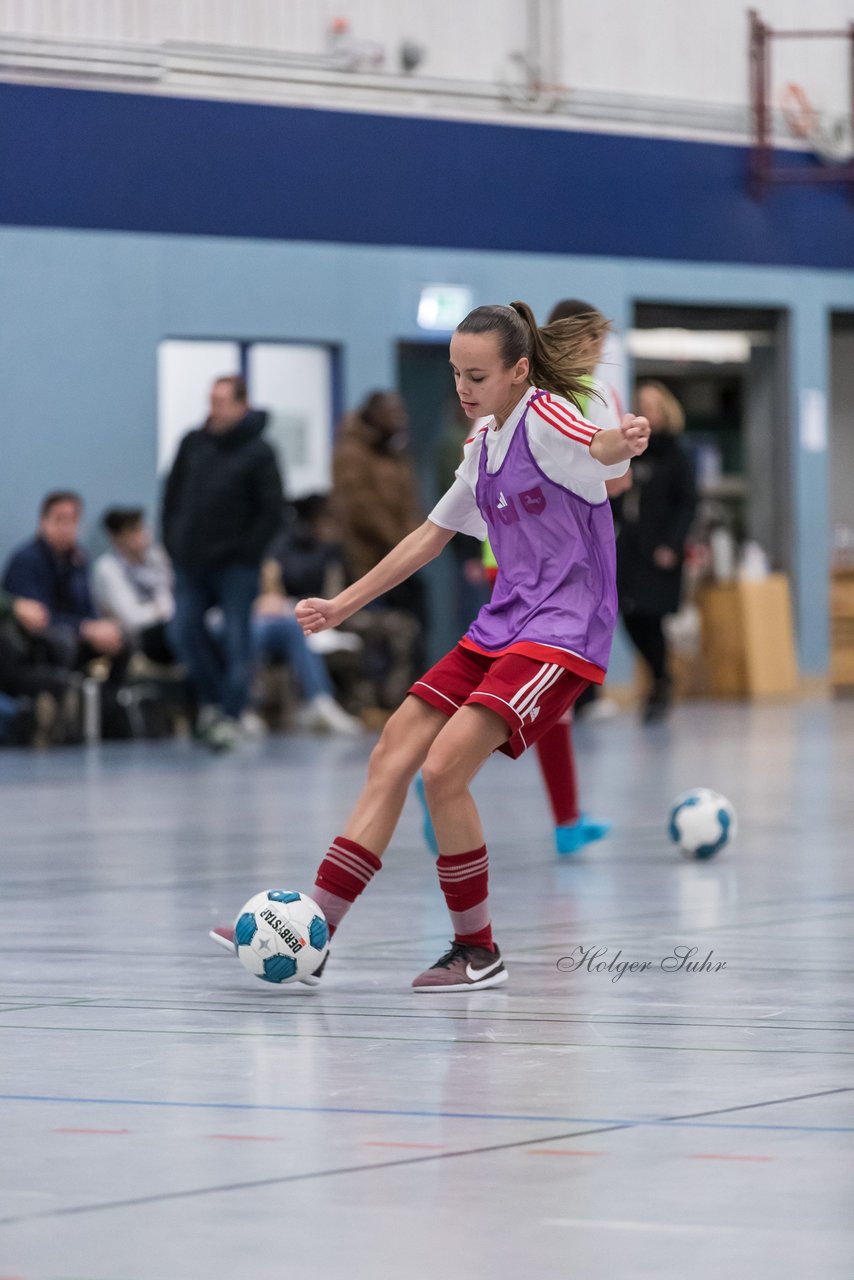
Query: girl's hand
[(315, 615), (635, 433)]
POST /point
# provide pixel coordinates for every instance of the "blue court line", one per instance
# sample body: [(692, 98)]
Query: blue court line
[(424, 1115)]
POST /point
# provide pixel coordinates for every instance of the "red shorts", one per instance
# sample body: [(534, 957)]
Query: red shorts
[(530, 696)]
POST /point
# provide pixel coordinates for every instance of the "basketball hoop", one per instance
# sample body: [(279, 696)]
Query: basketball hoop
[(799, 114), (830, 137), (828, 134)]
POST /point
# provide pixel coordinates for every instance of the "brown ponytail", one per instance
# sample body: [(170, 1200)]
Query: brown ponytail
[(554, 352)]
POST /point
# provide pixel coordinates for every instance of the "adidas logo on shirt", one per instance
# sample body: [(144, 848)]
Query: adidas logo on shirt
[(505, 510)]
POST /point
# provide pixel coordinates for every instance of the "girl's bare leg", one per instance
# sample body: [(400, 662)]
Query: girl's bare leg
[(395, 760), (458, 751)]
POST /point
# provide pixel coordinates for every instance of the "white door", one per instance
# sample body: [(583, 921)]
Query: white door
[(294, 383)]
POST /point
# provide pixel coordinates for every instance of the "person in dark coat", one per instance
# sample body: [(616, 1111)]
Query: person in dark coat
[(222, 506), (653, 519)]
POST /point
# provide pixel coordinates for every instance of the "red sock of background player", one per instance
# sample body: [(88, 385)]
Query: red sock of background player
[(557, 765), (343, 874), (464, 880)]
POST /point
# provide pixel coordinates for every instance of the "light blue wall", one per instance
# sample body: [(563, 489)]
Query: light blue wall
[(82, 313)]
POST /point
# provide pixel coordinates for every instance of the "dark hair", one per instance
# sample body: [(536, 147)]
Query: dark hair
[(119, 519), (568, 308), (59, 495), (554, 352), (373, 403), (237, 382), (311, 506)]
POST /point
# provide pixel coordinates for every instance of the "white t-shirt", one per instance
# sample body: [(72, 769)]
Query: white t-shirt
[(559, 438)]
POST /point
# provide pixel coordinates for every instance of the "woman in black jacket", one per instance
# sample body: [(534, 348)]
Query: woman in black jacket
[(653, 519)]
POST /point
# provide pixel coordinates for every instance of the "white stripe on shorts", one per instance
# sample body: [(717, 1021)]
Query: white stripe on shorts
[(546, 666), (532, 698)]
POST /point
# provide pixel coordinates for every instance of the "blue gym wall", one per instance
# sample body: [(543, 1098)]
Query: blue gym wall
[(129, 219)]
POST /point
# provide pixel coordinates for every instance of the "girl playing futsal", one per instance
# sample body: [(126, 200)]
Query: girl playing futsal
[(533, 481), (600, 406)]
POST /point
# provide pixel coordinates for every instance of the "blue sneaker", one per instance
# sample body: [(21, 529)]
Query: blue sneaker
[(427, 829), (573, 836)]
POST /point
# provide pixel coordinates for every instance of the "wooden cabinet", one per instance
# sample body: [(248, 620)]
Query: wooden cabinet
[(842, 631), (748, 640)]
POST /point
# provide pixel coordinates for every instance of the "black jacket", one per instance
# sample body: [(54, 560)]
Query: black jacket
[(223, 500), (656, 512)]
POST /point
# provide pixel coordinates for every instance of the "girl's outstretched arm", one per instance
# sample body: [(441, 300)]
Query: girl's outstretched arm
[(417, 549), (621, 444)]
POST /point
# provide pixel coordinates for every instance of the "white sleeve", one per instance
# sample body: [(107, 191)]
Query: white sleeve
[(116, 598), (604, 413), (567, 460), (458, 509), (574, 462)]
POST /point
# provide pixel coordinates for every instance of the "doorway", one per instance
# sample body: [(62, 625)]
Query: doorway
[(728, 366)]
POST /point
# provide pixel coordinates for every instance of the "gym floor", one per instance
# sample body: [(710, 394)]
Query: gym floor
[(167, 1117)]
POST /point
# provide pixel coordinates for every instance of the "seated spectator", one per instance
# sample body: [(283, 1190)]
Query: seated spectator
[(132, 583), (309, 558), (309, 550), (33, 694), (277, 636), (52, 571)]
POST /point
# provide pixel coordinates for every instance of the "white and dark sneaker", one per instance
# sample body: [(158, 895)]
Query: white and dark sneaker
[(463, 968), (223, 936), (313, 979)]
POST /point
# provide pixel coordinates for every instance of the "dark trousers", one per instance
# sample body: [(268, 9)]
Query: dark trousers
[(647, 635), (219, 667), (154, 643), (24, 671)]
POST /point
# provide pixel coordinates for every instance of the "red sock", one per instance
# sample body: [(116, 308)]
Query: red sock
[(464, 880), (557, 765), (343, 874)]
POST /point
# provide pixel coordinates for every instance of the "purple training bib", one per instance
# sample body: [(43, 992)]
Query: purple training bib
[(556, 556)]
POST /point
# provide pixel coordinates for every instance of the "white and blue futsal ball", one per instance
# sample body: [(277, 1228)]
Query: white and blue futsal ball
[(701, 823), (281, 936)]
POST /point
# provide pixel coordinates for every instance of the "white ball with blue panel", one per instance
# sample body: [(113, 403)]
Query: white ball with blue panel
[(701, 823), (281, 936)]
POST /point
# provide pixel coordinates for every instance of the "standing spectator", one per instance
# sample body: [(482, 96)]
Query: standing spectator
[(653, 519), (376, 498), (132, 583), (223, 504), (52, 569)]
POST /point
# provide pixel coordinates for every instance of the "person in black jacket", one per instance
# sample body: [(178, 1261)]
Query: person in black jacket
[(222, 505), (653, 519)]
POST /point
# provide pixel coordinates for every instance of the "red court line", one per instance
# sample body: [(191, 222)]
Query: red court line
[(419, 1146), (716, 1157), (90, 1131), (245, 1137), (549, 1151)]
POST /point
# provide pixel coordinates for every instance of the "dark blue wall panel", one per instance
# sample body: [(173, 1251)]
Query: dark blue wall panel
[(74, 158)]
